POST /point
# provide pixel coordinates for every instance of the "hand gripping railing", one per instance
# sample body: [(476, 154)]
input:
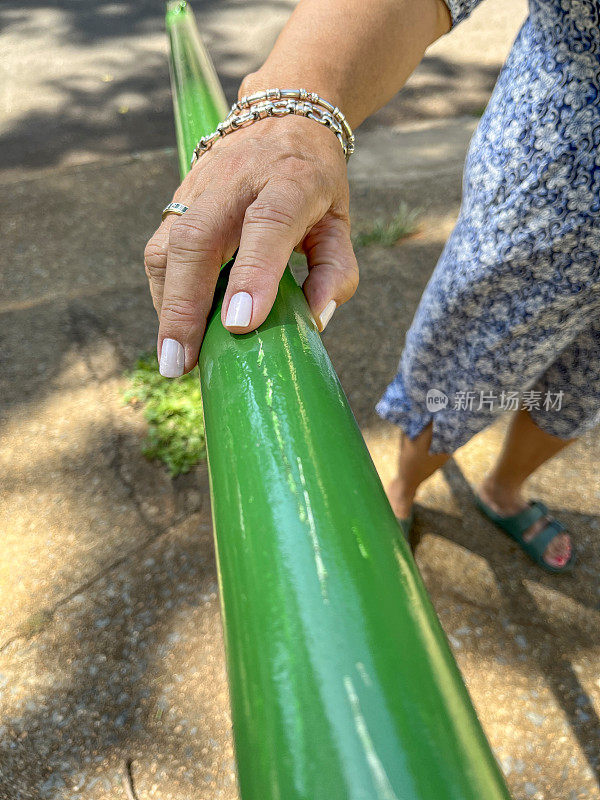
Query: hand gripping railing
[(343, 686)]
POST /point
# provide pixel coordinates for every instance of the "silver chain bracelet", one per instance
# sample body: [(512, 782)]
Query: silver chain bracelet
[(278, 103)]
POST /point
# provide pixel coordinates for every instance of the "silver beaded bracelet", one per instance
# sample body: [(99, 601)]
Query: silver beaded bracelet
[(278, 103)]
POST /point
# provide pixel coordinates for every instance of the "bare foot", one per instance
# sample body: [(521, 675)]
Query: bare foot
[(508, 503)]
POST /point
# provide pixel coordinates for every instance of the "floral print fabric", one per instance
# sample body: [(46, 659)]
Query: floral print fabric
[(513, 304)]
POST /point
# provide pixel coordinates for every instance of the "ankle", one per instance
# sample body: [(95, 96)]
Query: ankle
[(500, 493), (401, 497)]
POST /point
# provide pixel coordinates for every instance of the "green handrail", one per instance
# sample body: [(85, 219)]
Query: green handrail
[(198, 100), (343, 686)]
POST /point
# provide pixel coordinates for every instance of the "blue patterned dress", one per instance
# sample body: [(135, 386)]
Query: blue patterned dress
[(512, 310)]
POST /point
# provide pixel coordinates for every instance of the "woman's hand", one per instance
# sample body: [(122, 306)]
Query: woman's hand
[(272, 187), (280, 184)]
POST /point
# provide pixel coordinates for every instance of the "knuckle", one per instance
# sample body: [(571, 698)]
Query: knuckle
[(341, 214), (184, 235), (155, 257), (234, 162), (294, 164), (350, 268), (353, 278), (192, 235), (155, 262), (254, 272), (177, 310), (300, 173), (154, 274), (252, 267), (269, 214)]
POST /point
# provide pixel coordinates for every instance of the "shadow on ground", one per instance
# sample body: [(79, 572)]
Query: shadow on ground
[(112, 640), (553, 640), (101, 70)]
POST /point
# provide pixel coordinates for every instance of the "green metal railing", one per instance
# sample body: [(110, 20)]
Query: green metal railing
[(342, 683)]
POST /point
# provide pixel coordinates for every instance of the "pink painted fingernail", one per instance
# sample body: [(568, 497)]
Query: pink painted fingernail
[(172, 359), (239, 310)]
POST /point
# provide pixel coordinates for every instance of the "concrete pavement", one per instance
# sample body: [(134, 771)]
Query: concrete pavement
[(111, 641), (83, 81)]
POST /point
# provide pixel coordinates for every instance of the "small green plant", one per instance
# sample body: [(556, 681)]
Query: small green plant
[(173, 410), (402, 224)]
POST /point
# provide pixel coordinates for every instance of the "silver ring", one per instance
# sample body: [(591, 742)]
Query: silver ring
[(174, 208)]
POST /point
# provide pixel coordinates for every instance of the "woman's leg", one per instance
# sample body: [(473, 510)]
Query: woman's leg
[(415, 463), (526, 447)]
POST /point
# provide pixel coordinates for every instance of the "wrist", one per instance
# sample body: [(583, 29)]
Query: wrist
[(286, 78), (277, 102)]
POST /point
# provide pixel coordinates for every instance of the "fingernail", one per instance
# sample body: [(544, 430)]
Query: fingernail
[(239, 310), (327, 313), (172, 359)]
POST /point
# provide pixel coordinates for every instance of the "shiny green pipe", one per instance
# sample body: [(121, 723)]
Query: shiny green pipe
[(198, 100), (342, 683)]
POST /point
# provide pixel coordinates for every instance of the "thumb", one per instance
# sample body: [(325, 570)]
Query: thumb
[(333, 270)]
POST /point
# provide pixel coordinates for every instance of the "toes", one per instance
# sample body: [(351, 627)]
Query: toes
[(558, 552)]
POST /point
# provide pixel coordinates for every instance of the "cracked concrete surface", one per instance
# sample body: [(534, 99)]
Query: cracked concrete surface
[(110, 636)]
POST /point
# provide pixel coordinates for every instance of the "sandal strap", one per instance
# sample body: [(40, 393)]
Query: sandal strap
[(516, 525), (542, 539), (521, 522)]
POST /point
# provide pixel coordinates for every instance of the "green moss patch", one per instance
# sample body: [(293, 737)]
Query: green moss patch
[(173, 410)]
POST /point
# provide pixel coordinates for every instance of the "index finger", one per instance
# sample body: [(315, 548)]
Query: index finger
[(200, 241), (274, 223)]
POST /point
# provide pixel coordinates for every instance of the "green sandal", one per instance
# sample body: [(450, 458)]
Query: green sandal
[(516, 525), (406, 524)]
